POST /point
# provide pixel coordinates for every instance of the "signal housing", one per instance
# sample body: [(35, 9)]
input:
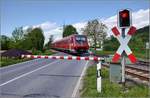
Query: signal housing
[(124, 18)]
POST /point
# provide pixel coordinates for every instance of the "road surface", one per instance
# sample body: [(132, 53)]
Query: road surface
[(41, 78)]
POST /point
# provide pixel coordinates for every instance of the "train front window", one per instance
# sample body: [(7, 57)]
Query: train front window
[(80, 39)]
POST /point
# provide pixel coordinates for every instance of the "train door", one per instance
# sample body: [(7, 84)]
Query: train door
[(70, 43)]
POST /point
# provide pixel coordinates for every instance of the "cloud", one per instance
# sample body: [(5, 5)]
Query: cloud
[(57, 33), (140, 19), (79, 26), (110, 22), (25, 27), (46, 25)]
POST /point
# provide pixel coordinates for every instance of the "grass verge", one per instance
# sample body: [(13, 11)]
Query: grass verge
[(104, 52), (10, 61), (109, 89)]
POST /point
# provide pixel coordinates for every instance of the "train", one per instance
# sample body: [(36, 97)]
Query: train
[(74, 43)]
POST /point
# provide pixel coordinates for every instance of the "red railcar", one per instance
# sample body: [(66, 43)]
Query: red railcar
[(73, 43)]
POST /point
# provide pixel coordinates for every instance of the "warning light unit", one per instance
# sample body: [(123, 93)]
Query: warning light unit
[(124, 18)]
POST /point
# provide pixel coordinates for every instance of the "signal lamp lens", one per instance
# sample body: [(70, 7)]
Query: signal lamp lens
[(124, 15)]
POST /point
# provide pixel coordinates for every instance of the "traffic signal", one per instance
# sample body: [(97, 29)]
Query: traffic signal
[(124, 18)]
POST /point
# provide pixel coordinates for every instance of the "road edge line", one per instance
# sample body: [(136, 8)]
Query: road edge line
[(79, 81)]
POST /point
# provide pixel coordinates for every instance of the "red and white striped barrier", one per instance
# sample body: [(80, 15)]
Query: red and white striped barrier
[(124, 44), (63, 57)]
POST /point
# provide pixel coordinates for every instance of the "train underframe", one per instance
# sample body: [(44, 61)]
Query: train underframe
[(74, 51)]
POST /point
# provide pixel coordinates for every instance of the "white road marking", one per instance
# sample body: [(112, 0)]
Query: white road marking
[(79, 80), (26, 74)]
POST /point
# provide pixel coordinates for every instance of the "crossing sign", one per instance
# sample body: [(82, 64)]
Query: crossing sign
[(124, 44), (124, 21)]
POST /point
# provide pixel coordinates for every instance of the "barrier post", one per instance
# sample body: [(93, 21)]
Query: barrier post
[(99, 82)]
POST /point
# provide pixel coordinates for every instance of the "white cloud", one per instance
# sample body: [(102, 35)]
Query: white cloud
[(140, 19), (111, 21), (46, 25), (25, 27), (79, 26), (57, 33)]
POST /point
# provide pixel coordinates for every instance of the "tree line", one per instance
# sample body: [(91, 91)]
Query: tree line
[(30, 39)]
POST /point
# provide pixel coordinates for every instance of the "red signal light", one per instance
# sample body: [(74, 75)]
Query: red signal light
[(124, 15), (124, 18)]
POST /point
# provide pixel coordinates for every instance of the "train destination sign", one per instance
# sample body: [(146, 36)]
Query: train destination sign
[(124, 44)]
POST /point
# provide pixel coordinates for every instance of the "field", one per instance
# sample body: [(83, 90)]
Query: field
[(110, 89)]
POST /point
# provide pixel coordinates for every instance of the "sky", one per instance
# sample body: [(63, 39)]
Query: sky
[(50, 15)]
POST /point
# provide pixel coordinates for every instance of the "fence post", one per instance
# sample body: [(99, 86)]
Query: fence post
[(99, 82)]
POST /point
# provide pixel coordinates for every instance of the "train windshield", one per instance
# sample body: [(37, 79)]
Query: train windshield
[(80, 38)]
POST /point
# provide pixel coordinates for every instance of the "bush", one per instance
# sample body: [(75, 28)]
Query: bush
[(36, 52)]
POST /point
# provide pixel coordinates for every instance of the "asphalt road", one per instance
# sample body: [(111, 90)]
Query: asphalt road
[(41, 78)]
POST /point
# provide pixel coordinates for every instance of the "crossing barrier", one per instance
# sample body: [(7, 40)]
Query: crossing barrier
[(95, 58)]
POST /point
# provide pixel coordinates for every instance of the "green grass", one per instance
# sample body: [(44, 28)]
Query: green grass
[(105, 52), (46, 52), (109, 89), (142, 54), (139, 54), (10, 61)]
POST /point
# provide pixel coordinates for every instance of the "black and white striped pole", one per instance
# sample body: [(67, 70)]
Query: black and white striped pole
[(99, 82)]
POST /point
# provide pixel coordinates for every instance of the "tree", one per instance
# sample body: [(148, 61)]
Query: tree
[(17, 38), (18, 34), (36, 38), (111, 44), (69, 30), (95, 31), (27, 39), (48, 44), (4, 42), (51, 39)]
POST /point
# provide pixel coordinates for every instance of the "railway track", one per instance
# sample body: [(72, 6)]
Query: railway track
[(142, 62), (136, 74)]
